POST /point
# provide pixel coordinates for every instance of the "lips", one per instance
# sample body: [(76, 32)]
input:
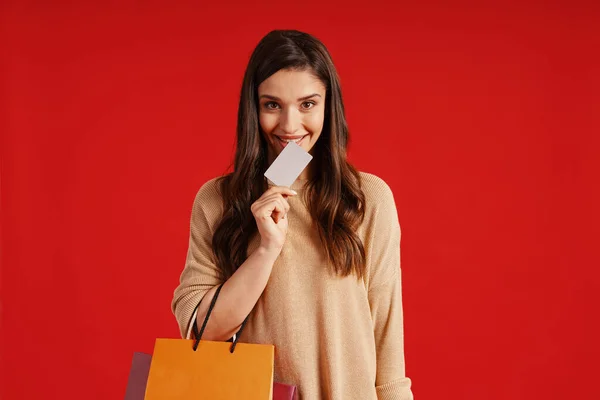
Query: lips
[(284, 143)]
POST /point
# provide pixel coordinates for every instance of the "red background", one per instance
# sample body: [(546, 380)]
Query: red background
[(483, 120)]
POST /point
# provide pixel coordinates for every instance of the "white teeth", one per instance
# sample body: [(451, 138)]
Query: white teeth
[(293, 140)]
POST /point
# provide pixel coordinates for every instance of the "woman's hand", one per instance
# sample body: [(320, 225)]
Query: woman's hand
[(270, 211)]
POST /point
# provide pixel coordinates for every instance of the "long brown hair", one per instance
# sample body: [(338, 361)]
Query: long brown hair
[(334, 195)]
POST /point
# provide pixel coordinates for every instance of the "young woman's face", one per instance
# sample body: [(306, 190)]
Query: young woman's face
[(291, 107)]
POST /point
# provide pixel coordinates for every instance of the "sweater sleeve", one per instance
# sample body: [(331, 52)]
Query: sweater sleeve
[(200, 272), (385, 300)]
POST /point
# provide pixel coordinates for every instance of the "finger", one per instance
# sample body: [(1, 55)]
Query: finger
[(284, 206), (281, 190), (271, 209), (278, 212), (275, 197), (266, 198), (287, 205), (283, 201), (258, 206)]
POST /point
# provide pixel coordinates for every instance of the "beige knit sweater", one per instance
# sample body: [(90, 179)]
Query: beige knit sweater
[(335, 338)]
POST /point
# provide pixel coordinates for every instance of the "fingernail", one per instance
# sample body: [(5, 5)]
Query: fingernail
[(293, 191)]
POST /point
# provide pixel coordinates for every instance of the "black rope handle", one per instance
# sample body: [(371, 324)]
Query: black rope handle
[(198, 335)]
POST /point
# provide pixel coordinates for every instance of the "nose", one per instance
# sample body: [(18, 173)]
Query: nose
[(290, 121)]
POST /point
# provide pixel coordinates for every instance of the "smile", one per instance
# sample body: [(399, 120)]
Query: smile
[(285, 141)]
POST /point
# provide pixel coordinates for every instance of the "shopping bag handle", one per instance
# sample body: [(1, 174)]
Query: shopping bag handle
[(198, 335)]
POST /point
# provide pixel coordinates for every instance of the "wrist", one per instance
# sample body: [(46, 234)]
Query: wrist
[(268, 252)]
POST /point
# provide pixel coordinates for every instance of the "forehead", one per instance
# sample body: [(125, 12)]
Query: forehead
[(291, 84)]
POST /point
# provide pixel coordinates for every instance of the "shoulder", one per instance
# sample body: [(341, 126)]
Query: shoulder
[(377, 191), (208, 201), (209, 191), (381, 230), (380, 205)]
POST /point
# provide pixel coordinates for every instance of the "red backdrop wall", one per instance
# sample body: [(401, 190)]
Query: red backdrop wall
[(483, 120)]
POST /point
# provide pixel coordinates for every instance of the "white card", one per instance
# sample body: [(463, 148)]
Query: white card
[(288, 165)]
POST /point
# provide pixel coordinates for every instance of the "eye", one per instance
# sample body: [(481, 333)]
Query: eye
[(307, 105), (271, 105)]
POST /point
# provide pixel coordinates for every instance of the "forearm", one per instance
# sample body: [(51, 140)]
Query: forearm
[(238, 296)]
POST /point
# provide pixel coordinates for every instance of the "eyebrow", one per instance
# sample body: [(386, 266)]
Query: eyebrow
[(268, 96)]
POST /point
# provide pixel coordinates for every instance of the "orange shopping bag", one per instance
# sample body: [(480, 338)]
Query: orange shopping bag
[(184, 369)]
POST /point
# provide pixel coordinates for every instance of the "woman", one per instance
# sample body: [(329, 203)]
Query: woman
[(315, 266)]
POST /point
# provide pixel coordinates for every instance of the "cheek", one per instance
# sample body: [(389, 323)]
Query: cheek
[(314, 123), (267, 122)]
